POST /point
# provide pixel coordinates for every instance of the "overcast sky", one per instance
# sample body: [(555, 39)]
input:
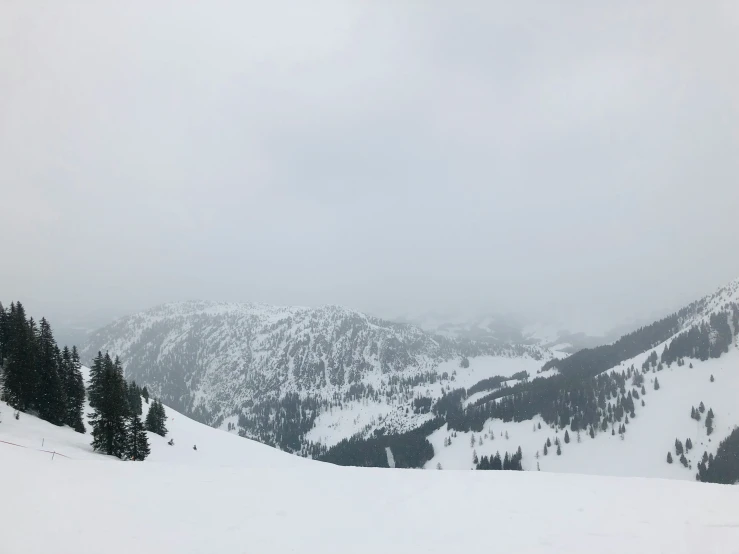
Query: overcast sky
[(574, 161)]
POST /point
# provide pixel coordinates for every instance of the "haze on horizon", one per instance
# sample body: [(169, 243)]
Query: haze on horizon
[(572, 163)]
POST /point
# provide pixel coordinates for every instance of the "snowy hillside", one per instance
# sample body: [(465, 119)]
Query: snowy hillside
[(39, 439), (292, 376), (234, 495), (664, 416)]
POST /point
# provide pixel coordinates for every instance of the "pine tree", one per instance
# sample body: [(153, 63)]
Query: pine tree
[(549, 442), (678, 447), (656, 384), (475, 459), (546, 451), (109, 429), (137, 443), (134, 399), (712, 379), (19, 368), (567, 438), (688, 444), (145, 394), (669, 457), (592, 432), (51, 399), (702, 407), (507, 462), (559, 450), (97, 371), (156, 418), (74, 388)]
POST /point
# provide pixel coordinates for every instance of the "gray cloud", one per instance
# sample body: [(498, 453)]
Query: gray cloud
[(570, 162)]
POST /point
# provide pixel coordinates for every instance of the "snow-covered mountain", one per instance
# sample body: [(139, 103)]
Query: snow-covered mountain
[(312, 380), (688, 361), (501, 329), (235, 495), (290, 376)]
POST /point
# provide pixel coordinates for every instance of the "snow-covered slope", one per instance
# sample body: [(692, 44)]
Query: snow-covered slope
[(664, 417), (254, 365), (41, 439), (233, 495)]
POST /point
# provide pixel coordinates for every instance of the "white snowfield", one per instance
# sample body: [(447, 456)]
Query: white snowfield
[(237, 496)]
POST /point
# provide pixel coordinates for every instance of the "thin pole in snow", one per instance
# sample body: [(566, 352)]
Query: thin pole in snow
[(52, 455), (42, 442)]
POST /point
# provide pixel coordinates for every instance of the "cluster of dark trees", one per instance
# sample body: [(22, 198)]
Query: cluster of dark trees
[(696, 415), (591, 404), (410, 450), (495, 382), (282, 423), (706, 340), (38, 377), (724, 467), (117, 429), (509, 462), (592, 361)]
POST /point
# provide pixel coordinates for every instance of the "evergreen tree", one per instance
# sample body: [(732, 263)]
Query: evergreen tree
[(134, 399), (683, 460), (549, 442), (702, 407), (712, 379), (145, 394), (678, 447), (656, 384), (137, 443), (109, 429), (496, 462), (669, 457), (559, 450), (688, 444), (51, 400), (506, 462), (75, 390), (97, 372), (155, 419), (546, 451), (19, 368), (567, 437)]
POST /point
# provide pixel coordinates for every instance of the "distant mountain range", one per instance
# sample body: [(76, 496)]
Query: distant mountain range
[(340, 385), (255, 364)]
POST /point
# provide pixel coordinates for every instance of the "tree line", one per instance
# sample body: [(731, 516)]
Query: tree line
[(724, 467), (508, 462), (40, 378)]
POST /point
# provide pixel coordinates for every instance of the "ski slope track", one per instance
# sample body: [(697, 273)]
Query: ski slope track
[(235, 495)]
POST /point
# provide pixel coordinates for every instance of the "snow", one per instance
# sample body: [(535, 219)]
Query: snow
[(649, 436), (215, 447), (234, 495)]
